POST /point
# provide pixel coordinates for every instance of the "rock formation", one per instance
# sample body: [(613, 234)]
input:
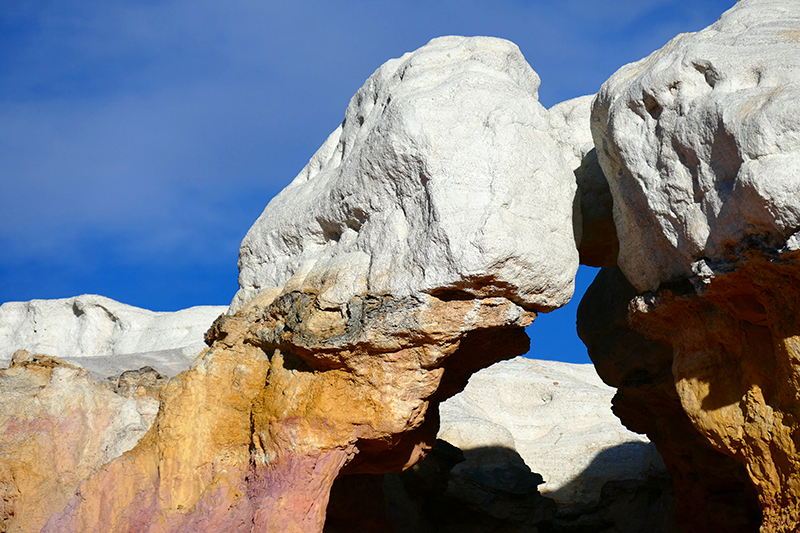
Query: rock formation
[(712, 490), (595, 232), (403, 197), (700, 145), (446, 211), (474, 491), (99, 333), (371, 289), (557, 416), (554, 419), (58, 426)]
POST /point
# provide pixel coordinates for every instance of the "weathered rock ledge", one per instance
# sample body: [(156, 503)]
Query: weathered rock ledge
[(255, 433), (736, 370)]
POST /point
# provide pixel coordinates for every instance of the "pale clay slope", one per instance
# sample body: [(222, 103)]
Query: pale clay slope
[(700, 142), (444, 175), (103, 335), (558, 417)]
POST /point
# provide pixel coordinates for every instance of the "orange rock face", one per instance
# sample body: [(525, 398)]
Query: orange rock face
[(733, 340), (712, 491), (289, 396), (737, 371)]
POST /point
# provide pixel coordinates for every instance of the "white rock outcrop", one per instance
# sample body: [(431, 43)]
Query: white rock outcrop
[(700, 142), (444, 176), (558, 417), (104, 335), (570, 123), (594, 220)]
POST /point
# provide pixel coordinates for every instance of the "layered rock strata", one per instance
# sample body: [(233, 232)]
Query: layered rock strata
[(254, 435), (371, 289), (735, 369), (700, 145), (58, 426)]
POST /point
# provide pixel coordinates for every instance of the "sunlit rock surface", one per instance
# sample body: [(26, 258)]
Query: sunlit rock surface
[(444, 175), (413, 250), (57, 426), (558, 417), (105, 336), (700, 143), (735, 368)]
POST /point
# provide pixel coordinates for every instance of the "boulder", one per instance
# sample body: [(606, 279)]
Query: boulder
[(700, 142), (443, 177), (103, 335)]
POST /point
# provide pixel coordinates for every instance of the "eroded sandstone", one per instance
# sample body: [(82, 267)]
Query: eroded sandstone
[(712, 490), (593, 216), (255, 433), (735, 368), (700, 145), (444, 175), (371, 289), (699, 142), (58, 426)]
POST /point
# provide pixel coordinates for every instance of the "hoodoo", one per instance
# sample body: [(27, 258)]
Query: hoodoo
[(420, 240), (446, 211), (700, 143)]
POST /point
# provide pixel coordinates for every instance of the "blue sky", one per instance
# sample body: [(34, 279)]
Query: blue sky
[(140, 139)]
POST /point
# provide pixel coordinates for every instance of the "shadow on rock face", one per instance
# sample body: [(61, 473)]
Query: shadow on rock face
[(712, 490), (490, 489), (473, 491), (625, 505)]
